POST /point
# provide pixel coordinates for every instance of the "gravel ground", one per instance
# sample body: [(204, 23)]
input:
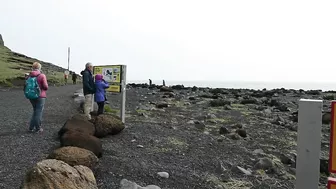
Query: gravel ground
[(20, 150)]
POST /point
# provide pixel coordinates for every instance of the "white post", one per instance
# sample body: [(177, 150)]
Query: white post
[(308, 144), (123, 93), (93, 95)]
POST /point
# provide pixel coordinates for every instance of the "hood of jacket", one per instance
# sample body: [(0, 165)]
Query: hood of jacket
[(34, 73)]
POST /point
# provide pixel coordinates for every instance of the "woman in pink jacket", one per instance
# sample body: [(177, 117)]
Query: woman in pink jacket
[(38, 104)]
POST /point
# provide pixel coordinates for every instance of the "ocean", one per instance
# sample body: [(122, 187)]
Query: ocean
[(248, 85)]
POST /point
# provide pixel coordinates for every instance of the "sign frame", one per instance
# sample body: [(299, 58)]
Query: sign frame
[(332, 148), (121, 67)]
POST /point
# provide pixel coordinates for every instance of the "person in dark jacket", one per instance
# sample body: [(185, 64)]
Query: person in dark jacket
[(88, 88), (74, 78), (101, 85)]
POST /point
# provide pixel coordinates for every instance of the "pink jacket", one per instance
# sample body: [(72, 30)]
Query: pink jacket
[(42, 81)]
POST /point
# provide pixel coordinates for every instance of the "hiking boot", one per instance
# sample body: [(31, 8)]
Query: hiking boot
[(31, 131), (107, 102)]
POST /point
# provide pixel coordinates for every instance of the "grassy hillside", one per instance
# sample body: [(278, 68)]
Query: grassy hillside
[(14, 65)]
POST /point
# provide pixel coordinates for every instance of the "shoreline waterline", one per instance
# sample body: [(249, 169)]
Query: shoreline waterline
[(324, 86)]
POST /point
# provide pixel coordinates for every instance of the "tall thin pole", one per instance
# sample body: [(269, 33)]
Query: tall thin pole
[(68, 58)]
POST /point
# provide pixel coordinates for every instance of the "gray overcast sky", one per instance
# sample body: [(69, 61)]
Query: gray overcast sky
[(241, 40)]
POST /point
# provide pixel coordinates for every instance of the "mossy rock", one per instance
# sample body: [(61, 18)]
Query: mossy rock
[(107, 125), (75, 156)]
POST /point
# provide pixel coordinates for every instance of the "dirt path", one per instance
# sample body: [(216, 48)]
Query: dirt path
[(19, 149)]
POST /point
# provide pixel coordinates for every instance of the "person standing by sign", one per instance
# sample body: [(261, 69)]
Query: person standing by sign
[(88, 88), (100, 97), (74, 78)]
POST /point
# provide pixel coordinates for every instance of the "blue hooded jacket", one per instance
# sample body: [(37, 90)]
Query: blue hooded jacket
[(101, 85)]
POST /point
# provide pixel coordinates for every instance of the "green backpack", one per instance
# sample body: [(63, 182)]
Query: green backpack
[(32, 89)]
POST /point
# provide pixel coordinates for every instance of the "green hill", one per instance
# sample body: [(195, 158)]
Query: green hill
[(14, 65)]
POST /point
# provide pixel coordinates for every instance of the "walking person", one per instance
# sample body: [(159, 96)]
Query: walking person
[(65, 79), (35, 90), (100, 96), (74, 78), (88, 88)]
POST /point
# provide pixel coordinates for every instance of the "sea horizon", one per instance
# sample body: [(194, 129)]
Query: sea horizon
[(324, 86)]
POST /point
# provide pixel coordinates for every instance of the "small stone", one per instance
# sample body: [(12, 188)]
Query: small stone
[(197, 122), (326, 118), (223, 130), (163, 174), (258, 151), (200, 125), (192, 98), (151, 187), (212, 121), (227, 107), (285, 159), (238, 126), (162, 105), (242, 133), (234, 136), (211, 116), (133, 140), (293, 127), (268, 111), (191, 122), (246, 172), (264, 163), (140, 146)]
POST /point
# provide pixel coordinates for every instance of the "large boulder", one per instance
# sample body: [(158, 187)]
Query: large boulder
[(78, 123), (75, 156), (56, 174), (82, 140), (108, 124)]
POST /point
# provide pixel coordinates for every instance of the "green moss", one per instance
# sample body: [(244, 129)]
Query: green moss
[(243, 109), (176, 142), (141, 111), (230, 184), (108, 109), (220, 120), (238, 106)]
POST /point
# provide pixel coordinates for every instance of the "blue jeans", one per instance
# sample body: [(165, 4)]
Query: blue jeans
[(38, 106)]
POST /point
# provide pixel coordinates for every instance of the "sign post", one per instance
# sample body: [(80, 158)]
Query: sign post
[(309, 144), (115, 75), (123, 94)]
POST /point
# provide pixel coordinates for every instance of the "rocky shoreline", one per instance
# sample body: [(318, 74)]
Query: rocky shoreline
[(260, 125)]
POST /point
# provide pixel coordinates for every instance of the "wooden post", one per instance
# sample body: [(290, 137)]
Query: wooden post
[(309, 144)]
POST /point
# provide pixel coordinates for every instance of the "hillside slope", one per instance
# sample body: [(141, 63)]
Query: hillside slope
[(14, 65)]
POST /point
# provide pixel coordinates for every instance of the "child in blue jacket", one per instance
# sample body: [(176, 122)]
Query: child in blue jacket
[(101, 85)]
